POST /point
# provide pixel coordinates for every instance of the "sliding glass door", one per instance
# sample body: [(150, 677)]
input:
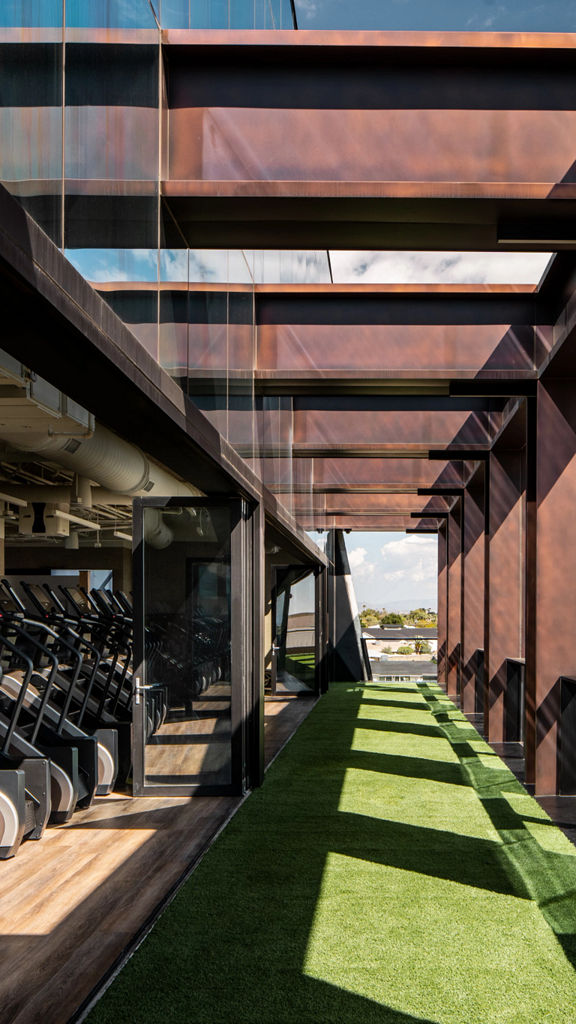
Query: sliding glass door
[(192, 622), (296, 625)]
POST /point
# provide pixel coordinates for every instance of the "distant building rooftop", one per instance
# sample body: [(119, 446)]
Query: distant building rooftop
[(402, 669), (401, 633)]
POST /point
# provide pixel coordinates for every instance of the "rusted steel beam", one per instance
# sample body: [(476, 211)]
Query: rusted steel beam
[(473, 544), (454, 605), (551, 570), (443, 605), (463, 117), (405, 504), (354, 521), (505, 556), (359, 472)]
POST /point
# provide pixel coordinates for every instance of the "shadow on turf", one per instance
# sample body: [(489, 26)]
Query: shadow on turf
[(548, 878), (413, 728), (233, 946), (409, 767), (404, 705)]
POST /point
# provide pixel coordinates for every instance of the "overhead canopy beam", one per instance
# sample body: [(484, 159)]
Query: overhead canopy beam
[(463, 171), (384, 504)]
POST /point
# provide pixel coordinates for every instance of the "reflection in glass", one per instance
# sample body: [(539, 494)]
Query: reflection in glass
[(391, 267), (295, 625), (31, 13), (225, 14), (114, 265), (31, 126), (271, 266), (109, 14), (439, 15), (187, 619)]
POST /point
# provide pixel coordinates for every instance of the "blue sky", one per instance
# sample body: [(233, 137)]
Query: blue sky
[(397, 571), (375, 266), (448, 15)]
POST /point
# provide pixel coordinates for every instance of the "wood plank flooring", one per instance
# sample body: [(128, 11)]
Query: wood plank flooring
[(71, 903), (196, 743)]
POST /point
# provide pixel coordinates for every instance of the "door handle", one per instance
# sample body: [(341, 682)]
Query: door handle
[(139, 689)]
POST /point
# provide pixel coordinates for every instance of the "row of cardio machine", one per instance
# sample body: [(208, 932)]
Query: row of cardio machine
[(66, 688)]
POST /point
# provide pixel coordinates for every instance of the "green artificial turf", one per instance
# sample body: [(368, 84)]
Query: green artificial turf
[(390, 871)]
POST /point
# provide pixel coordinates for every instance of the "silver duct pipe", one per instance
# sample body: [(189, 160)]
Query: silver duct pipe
[(156, 532), (107, 460)]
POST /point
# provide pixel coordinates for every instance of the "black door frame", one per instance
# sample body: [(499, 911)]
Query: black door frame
[(244, 609)]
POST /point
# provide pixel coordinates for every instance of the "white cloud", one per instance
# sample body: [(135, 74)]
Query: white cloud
[(395, 570), (109, 265), (360, 568), (309, 8), (437, 267), (413, 559), (356, 557)]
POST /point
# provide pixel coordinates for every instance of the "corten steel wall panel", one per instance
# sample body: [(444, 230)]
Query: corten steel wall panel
[(404, 504), (372, 522), (473, 544), (551, 560), (394, 115), (31, 127), (414, 427), (315, 476), (119, 143), (441, 350), (505, 553), (394, 472), (442, 605), (112, 147), (454, 631), (492, 146), (371, 122)]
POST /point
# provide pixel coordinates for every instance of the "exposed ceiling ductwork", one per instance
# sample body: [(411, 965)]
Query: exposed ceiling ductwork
[(38, 420)]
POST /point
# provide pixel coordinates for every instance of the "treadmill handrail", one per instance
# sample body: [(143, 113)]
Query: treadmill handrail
[(5, 642)]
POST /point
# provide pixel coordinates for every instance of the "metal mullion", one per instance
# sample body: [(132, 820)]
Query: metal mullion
[(138, 709), (238, 607), (255, 732)]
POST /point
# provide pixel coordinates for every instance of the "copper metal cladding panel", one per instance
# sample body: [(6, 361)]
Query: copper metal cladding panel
[(173, 349), (414, 427), (404, 504), (419, 349), (207, 347), (368, 523), (552, 587), (454, 646), (506, 555), (111, 142), (382, 42), (31, 143), (322, 472), (394, 108), (440, 146), (393, 472), (473, 543), (442, 604)]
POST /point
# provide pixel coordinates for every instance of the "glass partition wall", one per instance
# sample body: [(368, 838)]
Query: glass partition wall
[(192, 620), (296, 632)]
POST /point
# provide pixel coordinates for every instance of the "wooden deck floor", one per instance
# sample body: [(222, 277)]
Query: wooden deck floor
[(71, 903)]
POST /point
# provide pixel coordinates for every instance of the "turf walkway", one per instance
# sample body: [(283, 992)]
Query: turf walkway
[(390, 871)]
